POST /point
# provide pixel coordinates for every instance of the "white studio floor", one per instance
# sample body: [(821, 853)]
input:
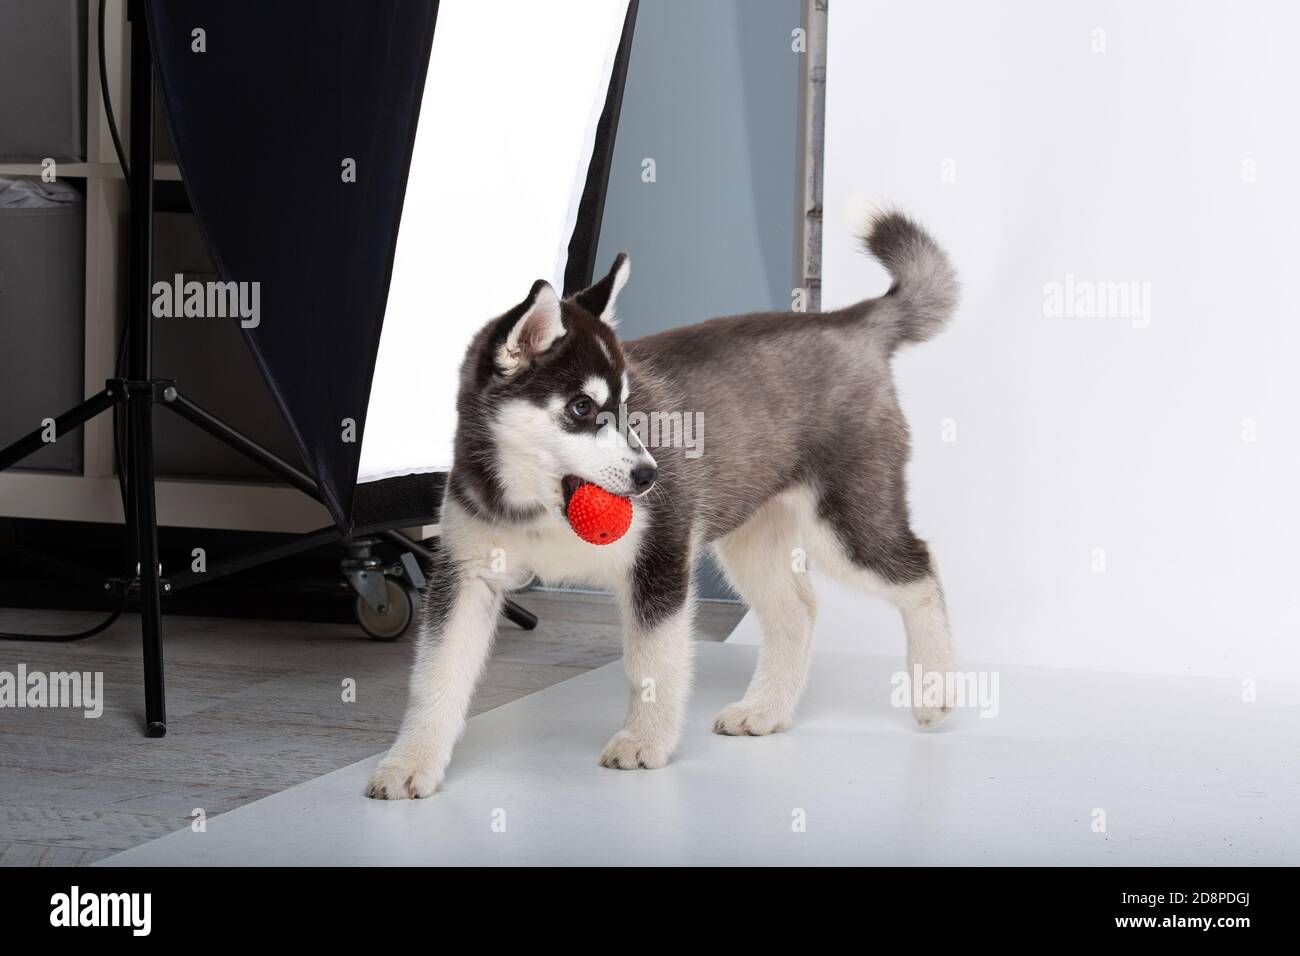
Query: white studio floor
[(1185, 772)]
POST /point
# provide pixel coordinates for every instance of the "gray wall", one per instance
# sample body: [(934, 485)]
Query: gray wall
[(712, 98)]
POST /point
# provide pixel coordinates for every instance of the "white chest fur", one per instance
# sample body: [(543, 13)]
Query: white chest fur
[(548, 548)]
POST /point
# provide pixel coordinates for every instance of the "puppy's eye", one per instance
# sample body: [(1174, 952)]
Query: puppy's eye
[(581, 407)]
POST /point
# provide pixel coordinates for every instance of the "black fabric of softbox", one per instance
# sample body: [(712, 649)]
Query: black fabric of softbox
[(262, 121)]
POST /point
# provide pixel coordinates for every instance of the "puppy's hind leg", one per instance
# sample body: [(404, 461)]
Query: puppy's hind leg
[(761, 560), (930, 648), (877, 552)]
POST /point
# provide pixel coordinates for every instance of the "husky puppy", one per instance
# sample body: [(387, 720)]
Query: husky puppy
[(806, 449)]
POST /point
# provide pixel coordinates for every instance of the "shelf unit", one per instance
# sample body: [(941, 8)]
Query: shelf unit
[(93, 495)]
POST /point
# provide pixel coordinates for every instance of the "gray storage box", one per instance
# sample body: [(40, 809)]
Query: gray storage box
[(42, 80), (212, 365), (42, 324)]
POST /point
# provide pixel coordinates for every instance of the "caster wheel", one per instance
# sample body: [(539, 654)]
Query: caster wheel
[(396, 617)]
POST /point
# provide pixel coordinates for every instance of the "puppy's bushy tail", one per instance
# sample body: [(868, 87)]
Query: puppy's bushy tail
[(925, 289)]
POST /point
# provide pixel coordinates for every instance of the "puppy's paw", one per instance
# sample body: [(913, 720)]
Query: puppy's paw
[(403, 779), (749, 719), (937, 669), (930, 716), (626, 751)]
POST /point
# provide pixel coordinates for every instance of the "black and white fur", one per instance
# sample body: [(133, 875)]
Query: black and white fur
[(805, 453)]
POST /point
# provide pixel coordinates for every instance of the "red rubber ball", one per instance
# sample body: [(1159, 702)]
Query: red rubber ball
[(597, 516)]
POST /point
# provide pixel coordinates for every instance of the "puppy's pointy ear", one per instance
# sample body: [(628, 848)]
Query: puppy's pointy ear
[(535, 331), (600, 298)]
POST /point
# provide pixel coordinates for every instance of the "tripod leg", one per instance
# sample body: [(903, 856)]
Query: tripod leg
[(140, 402), (146, 525), (518, 615), (33, 440)]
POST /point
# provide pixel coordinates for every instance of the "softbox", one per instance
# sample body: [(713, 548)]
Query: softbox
[(393, 174)]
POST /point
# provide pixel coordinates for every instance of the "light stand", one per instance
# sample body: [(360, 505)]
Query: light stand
[(139, 391)]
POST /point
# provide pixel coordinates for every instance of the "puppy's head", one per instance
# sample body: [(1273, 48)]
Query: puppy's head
[(539, 401)]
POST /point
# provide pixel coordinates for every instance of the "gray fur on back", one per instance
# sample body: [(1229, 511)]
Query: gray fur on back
[(800, 399)]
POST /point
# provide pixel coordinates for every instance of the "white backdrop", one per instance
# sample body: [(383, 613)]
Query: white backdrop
[(511, 104), (1114, 486)]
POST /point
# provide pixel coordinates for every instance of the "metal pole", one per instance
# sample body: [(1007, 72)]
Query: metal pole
[(237, 440), (34, 440), (140, 463)]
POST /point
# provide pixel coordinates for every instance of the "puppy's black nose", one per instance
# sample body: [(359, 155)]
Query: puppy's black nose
[(643, 476)]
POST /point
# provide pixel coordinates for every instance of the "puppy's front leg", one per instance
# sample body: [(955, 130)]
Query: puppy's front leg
[(659, 657), (461, 616)]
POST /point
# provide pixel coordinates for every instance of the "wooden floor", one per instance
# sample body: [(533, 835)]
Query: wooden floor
[(254, 707)]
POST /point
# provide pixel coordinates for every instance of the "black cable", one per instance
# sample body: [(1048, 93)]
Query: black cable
[(62, 638), (108, 105), (119, 422)]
